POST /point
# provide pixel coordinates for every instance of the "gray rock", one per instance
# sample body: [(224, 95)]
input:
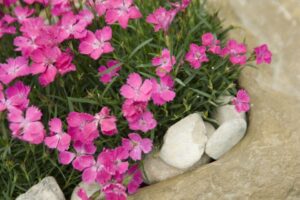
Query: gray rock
[(156, 170), (226, 113), (225, 137), (46, 189), (90, 190), (184, 142)]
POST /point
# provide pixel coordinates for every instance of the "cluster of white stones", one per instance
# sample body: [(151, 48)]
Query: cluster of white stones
[(191, 142)]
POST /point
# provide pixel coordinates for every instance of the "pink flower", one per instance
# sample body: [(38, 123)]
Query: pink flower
[(81, 127), (132, 110), (100, 6), (23, 13), (121, 11), (50, 36), (163, 92), (85, 17), (82, 159), (7, 2), (44, 63), (5, 27), (64, 63), (164, 63), (242, 101), (97, 44), (107, 73), (136, 145), (136, 89), (82, 194), (107, 122), (114, 191), (263, 54), (116, 160), (58, 139), (209, 40), (196, 56), (98, 172), (70, 27), (181, 6), (237, 52), (31, 29), (136, 179), (60, 7), (14, 68), (16, 97), (161, 19), (28, 127), (145, 122)]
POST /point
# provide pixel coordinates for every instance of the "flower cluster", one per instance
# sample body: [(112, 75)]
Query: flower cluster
[(41, 47), (138, 93)]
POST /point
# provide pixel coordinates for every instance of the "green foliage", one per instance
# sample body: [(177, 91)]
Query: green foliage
[(23, 165)]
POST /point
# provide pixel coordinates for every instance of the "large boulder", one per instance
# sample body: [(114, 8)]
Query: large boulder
[(265, 164)]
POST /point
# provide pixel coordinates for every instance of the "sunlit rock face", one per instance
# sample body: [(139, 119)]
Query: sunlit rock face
[(265, 164)]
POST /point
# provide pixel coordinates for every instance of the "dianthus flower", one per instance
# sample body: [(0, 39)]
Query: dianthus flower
[(196, 56), (31, 29), (27, 126), (58, 139), (109, 71), (136, 145), (136, 179), (213, 45), (263, 54), (82, 159), (14, 68), (81, 127), (5, 27), (23, 13), (164, 63), (106, 121), (114, 191), (163, 92), (161, 19), (136, 89), (144, 123), (121, 11), (242, 101), (70, 27), (237, 52), (132, 110), (15, 97), (97, 44), (98, 172)]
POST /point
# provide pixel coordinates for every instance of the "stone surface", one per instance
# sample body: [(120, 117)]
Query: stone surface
[(184, 142), (157, 170), (225, 137), (210, 129), (46, 189), (265, 164), (226, 113), (89, 189)]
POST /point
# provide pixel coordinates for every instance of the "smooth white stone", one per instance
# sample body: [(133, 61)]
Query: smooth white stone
[(226, 113), (225, 137), (184, 142), (44, 190)]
